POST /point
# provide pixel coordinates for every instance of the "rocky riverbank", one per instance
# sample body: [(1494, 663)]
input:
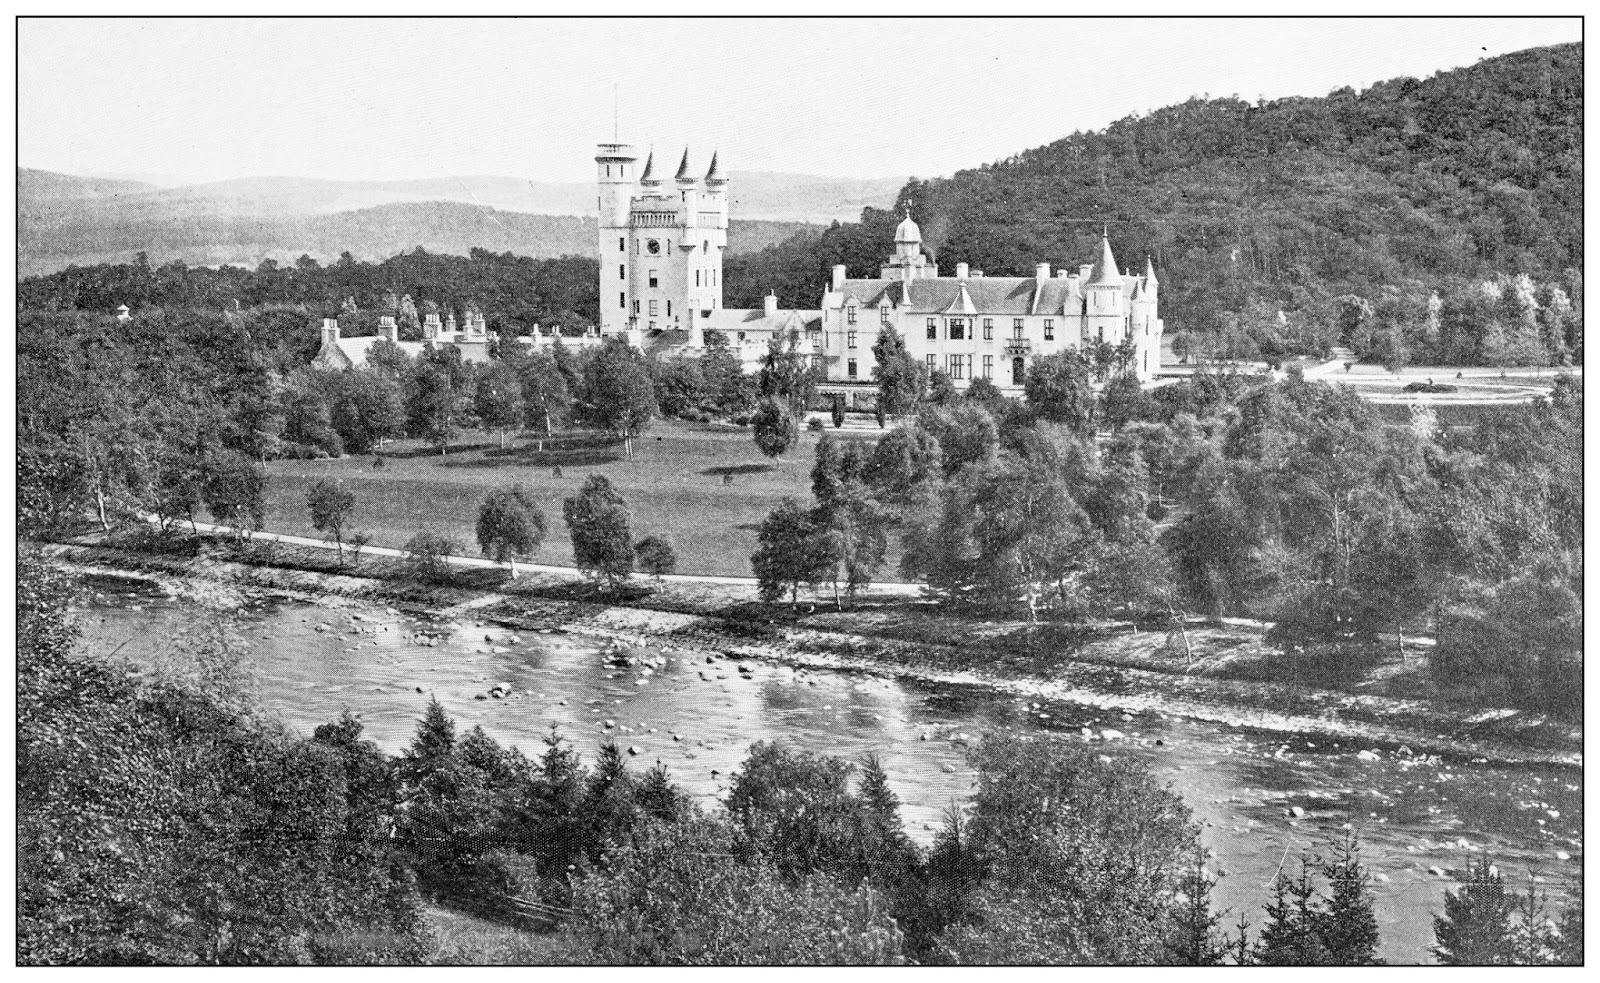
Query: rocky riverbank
[(1116, 669)]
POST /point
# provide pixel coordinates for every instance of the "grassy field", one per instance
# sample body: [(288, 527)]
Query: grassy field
[(674, 485)]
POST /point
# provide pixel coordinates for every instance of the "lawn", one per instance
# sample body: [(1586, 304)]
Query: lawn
[(674, 485)]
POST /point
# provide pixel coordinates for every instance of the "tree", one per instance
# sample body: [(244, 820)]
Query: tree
[(680, 388), (618, 393), (1058, 389), (723, 374), (235, 492), (1195, 939), (902, 380), (545, 398), (906, 467), (850, 529), (1475, 929), (331, 507), (775, 429), (597, 521), (785, 373), (967, 434), (509, 525), (941, 389), (497, 399), (1350, 930), (1122, 401), (790, 553), (836, 412), (656, 556)]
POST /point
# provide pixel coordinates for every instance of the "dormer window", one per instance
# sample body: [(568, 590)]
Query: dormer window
[(883, 314), (850, 314)]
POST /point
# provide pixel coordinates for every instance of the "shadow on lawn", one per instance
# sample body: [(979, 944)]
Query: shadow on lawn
[(578, 458), (727, 470)]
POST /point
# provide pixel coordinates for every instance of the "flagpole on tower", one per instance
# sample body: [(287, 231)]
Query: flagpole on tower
[(616, 112)]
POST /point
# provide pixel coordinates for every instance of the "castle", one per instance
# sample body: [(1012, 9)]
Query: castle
[(661, 288)]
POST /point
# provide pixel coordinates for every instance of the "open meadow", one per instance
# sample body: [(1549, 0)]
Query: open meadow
[(674, 486)]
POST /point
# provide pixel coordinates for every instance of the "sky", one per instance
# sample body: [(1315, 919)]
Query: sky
[(354, 99)]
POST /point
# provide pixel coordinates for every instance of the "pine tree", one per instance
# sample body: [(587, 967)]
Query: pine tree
[(1533, 937), (657, 797), (433, 743), (1475, 929), (1195, 940), (1349, 932), (1290, 936), (1569, 947)]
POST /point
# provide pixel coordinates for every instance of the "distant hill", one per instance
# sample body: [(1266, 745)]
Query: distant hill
[(63, 219)]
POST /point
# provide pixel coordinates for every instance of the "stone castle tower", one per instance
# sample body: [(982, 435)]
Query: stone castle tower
[(660, 247)]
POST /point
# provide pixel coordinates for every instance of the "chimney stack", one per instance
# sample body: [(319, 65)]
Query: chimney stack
[(330, 330), (1062, 274), (961, 271), (1041, 271), (838, 277), (1085, 271), (388, 328), (770, 301)]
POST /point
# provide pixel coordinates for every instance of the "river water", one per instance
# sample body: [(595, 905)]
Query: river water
[(1261, 797)]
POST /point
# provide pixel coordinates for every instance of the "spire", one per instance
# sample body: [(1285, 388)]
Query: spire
[(1106, 270), (714, 176), (1150, 271), (683, 169), (649, 177)]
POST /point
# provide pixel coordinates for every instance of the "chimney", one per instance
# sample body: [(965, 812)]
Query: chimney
[(1062, 274), (388, 328), (769, 303), (330, 330), (976, 274), (1041, 271), (1085, 271), (838, 278), (961, 271), (430, 325)]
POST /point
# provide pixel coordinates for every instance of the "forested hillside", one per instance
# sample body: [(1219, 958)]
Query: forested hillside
[(1436, 219)]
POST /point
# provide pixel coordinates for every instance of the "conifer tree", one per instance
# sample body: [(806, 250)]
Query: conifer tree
[(1475, 929), (1195, 940), (1349, 931)]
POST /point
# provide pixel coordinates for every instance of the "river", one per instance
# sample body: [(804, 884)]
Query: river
[(1261, 797)]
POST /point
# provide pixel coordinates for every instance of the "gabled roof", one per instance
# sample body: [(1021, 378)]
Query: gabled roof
[(961, 303)]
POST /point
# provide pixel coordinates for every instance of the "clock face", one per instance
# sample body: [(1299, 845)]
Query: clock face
[(654, 245)]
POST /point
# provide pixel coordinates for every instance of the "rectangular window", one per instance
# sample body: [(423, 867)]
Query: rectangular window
[(652, 278), (958, 366), (1016, 328), (636, 307), (988, 329), (988, 366), (850, 314), (1049, 329), (622, 272), (669, 308), (958, 329), (933, 363), (1102, 332), (933, 330), (850, 368), (622, 244), (883, 315), (697, 278), (622, 300), (850, 339), (654, 308)]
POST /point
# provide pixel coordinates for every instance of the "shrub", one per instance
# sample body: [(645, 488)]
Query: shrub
[(814, 425), (427, 558)]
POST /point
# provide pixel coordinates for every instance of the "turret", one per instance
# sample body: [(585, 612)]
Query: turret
[(649, 181), (1103, 293), (689, 193), (717, 192), (1150, 282), (614, 172)]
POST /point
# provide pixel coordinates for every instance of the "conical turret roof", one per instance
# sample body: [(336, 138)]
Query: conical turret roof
[(683, 168), (1150, 271), (650, 170), (1105, 271), (714, 176)]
